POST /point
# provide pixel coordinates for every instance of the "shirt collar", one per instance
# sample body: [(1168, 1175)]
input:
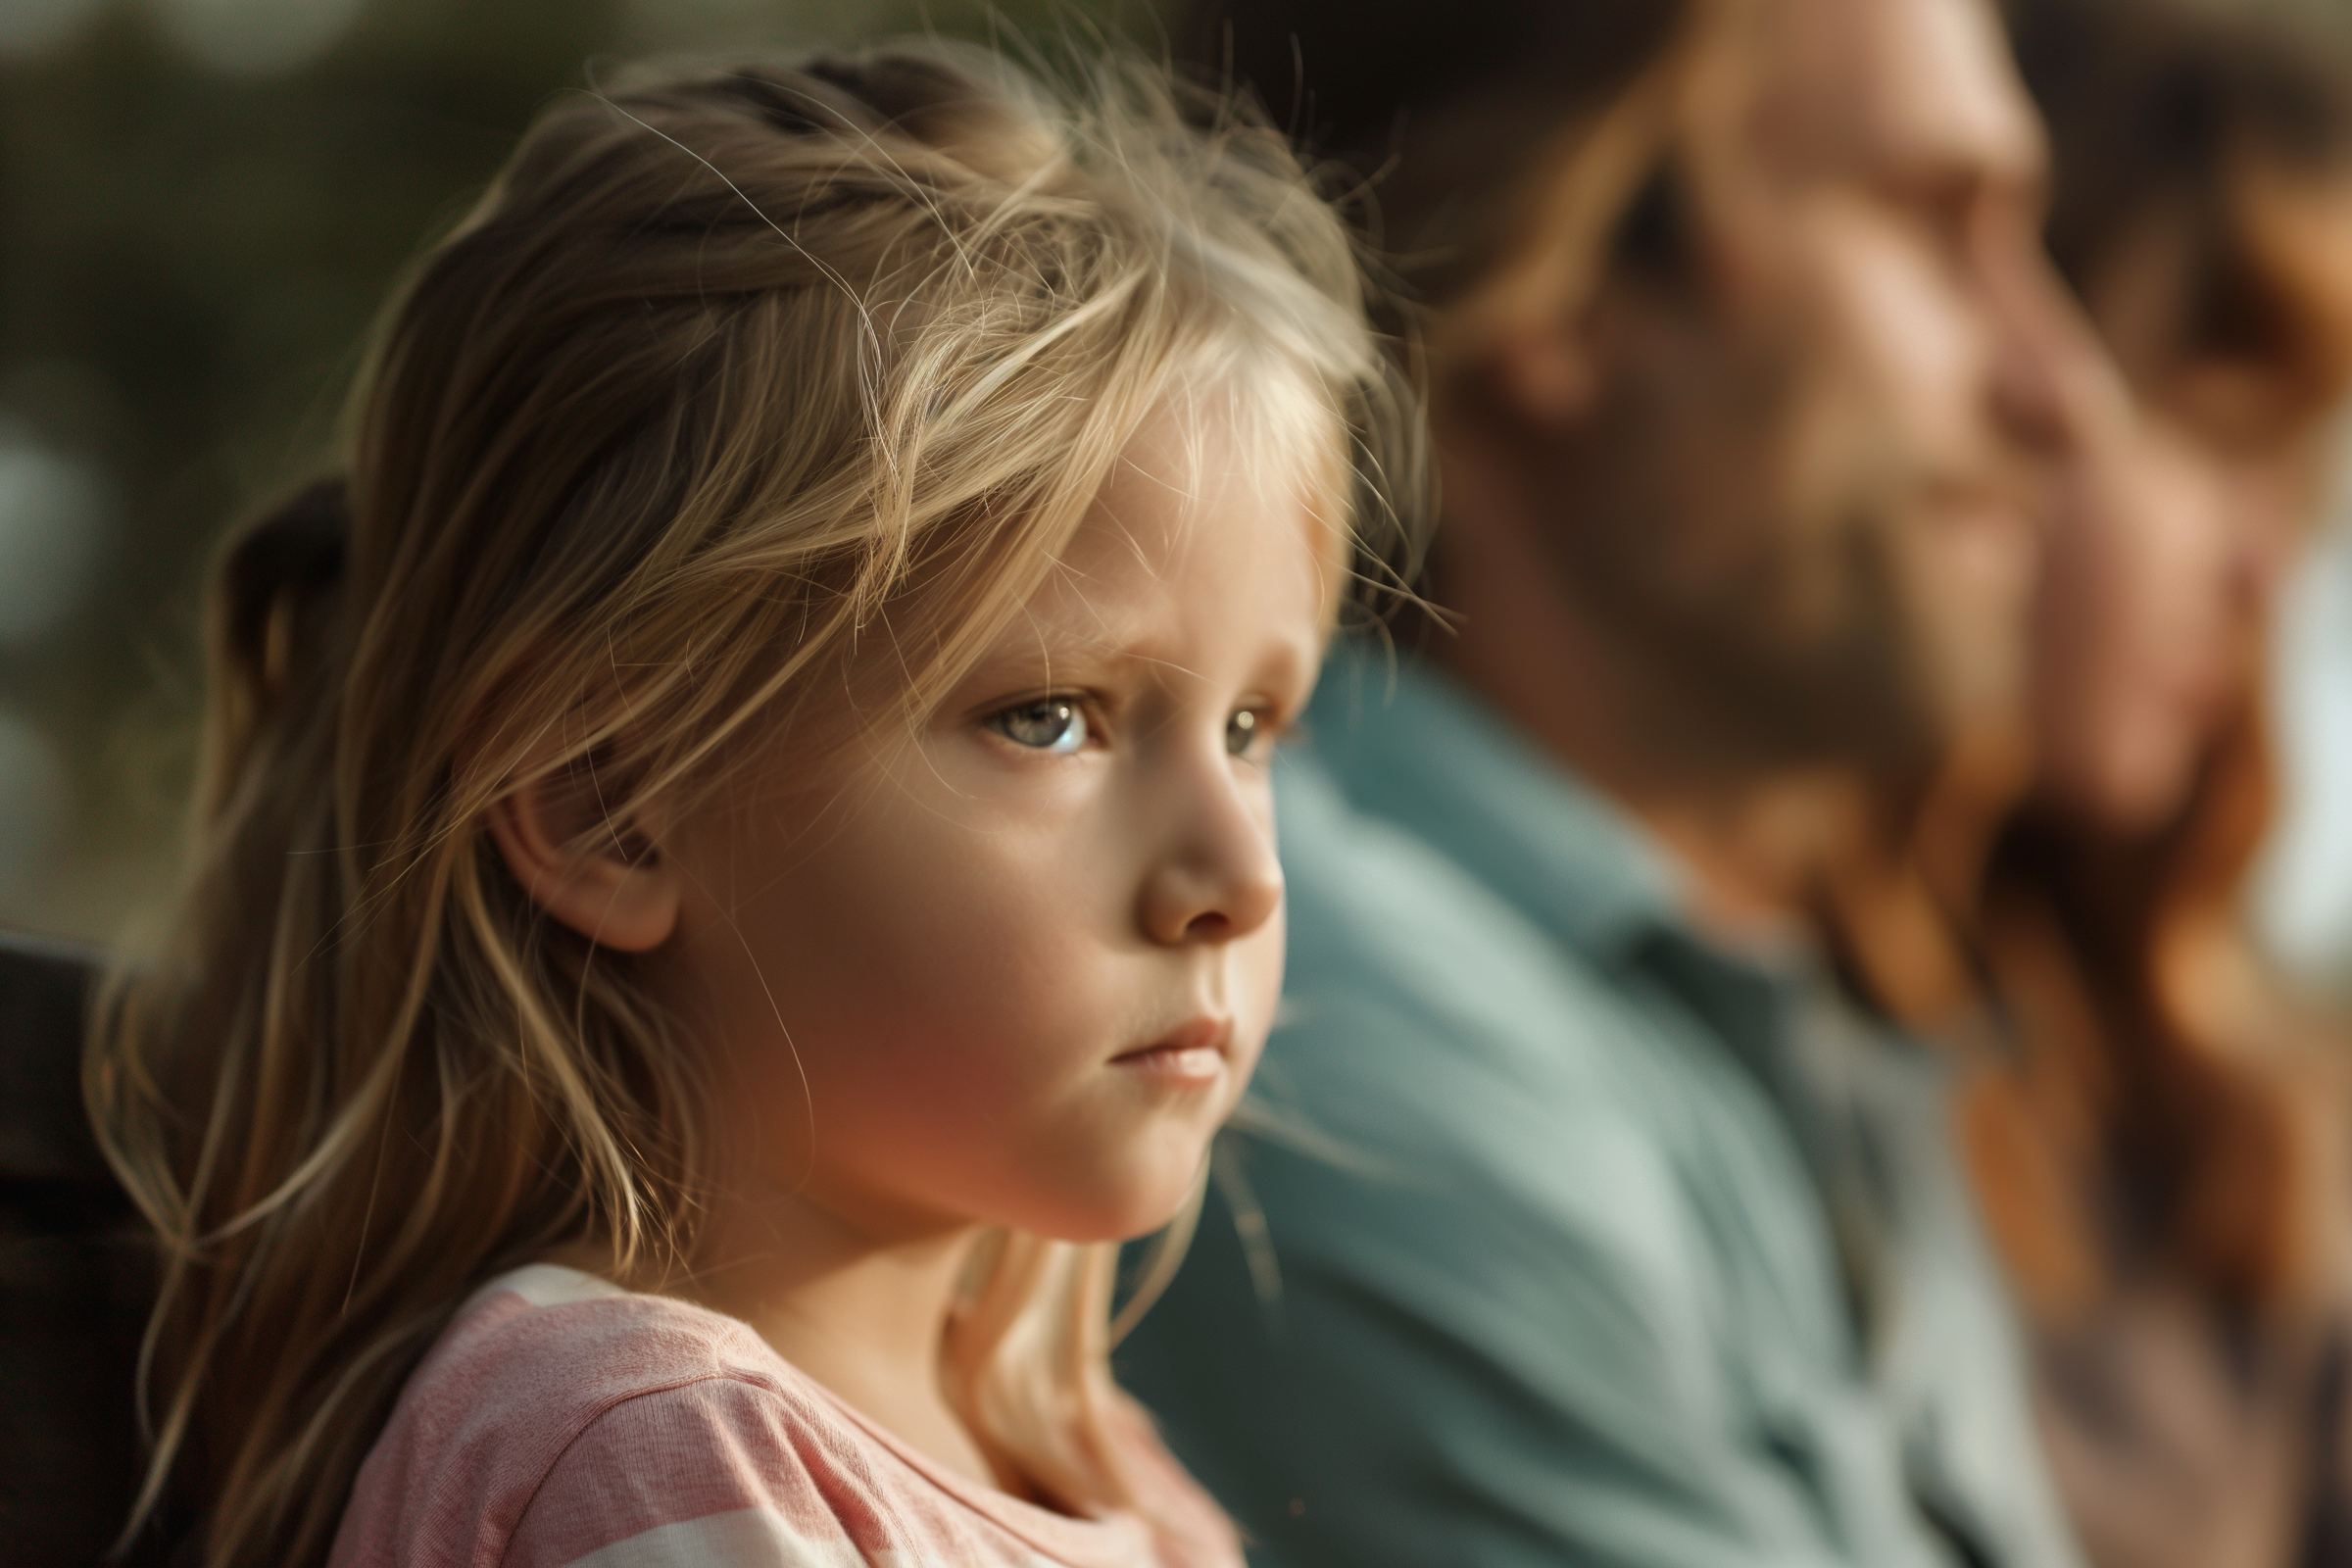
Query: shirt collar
[(1406, 741)]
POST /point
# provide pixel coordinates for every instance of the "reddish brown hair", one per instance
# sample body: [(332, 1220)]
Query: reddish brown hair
[(2149, 1118)]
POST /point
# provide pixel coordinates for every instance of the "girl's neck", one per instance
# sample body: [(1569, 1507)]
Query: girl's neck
[(862, 1312)]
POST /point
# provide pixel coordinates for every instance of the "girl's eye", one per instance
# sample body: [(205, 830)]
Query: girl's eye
[(1052, 724), (1241, 732)]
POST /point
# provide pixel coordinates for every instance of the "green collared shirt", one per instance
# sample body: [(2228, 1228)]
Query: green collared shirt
[(1554, 1234)]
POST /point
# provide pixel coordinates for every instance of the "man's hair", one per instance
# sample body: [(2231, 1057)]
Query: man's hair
[(1448, 111)]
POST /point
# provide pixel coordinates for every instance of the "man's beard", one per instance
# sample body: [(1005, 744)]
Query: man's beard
[(1808, 649)]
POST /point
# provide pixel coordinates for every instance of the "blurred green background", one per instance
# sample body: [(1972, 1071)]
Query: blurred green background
[(202, 204)]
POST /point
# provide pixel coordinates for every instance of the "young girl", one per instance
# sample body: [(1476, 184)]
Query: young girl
[(735, 854)]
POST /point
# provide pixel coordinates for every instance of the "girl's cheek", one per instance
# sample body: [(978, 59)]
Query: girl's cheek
[(1262, 968)]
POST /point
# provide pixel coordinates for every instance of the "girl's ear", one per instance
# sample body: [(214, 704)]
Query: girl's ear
[(609, 883)]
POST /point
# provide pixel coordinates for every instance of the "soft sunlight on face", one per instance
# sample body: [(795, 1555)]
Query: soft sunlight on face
[(1026, 958), (1902, 171), (2157, 590), (2152, 593), (1819, 438)]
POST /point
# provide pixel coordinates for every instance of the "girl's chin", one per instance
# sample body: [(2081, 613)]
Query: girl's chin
[(1151, 1207)]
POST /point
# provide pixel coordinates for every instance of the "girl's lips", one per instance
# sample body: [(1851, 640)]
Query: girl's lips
[(1192, 1055)]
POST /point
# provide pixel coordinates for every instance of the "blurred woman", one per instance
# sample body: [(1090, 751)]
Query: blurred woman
[(2155, 1130)]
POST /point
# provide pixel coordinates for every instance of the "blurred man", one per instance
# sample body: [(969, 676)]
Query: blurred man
[(1583, 1221)]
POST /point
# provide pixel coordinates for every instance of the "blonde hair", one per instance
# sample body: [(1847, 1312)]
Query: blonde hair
[(751, 396)]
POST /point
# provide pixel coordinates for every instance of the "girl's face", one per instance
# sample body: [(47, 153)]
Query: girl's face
[(1017, 969)]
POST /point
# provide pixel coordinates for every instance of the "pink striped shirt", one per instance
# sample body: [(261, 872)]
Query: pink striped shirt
[(562, 1420)]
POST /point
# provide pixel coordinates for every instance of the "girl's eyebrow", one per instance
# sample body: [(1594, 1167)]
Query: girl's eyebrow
[(1056, 639)]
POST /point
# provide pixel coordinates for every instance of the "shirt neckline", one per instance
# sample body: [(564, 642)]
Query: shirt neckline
[(1405, 740), (1074, 1540)]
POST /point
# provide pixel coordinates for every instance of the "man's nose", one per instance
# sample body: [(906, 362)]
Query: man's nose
[(1216, 877)]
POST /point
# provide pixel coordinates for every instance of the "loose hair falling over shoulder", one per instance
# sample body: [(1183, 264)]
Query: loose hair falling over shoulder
[(753, 396)]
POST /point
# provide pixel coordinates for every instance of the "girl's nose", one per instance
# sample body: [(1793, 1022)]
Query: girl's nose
[(1216, 877)]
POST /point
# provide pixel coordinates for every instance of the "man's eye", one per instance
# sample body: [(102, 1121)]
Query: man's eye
[(1053, 724), (1241, 732)]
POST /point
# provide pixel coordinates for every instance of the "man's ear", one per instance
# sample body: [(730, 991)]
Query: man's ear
[(607, 882)]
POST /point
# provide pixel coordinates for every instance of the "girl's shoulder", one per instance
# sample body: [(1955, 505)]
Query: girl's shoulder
[(560, 1418), (532, 1363)]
